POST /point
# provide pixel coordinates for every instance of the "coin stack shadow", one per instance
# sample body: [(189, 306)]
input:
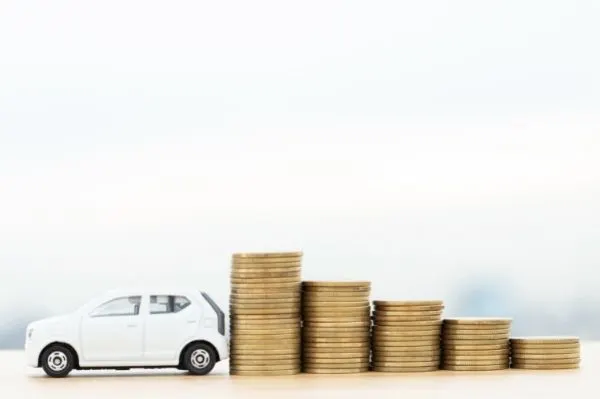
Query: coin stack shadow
[(545, 353), (336, 327), (475, 344), (265, 314), (406, 336)]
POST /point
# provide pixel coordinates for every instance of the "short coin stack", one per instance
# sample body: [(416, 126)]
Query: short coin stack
[(265, 314), (545, 353), (336, 327), (475, 344), (406, 336)]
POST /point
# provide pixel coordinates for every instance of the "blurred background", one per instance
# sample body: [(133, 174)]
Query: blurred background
[(439, 149)]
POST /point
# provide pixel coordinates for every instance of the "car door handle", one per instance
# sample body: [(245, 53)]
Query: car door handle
[(131, 325), (192, 321)]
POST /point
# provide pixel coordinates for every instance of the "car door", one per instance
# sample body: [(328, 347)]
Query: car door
[(171, 321), (113, 331)]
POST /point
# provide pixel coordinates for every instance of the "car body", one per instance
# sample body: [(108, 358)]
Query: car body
[(131, 328)]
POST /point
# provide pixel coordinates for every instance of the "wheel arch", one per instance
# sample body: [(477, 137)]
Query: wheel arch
[(63, 344), (198, 341)]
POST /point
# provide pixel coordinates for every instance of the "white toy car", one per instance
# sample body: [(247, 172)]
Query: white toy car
[(129, 328)]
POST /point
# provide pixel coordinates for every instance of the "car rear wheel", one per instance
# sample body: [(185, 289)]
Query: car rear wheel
[(199, 359), (57, 361)]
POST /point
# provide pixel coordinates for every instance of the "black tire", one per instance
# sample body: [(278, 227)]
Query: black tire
[(199, 359), (62, 359)]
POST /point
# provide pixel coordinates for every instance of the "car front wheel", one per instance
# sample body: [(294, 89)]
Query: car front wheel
[(199, 359), (57, 361)]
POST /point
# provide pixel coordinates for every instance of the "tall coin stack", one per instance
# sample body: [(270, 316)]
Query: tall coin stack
[(265, 314), (475, 344), (336, 327), (545, 353), (406, 335)]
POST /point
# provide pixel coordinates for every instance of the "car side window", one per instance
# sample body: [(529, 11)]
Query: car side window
[(161, 304), (121, 306)]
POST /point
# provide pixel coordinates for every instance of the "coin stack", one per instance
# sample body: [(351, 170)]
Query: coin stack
[(406, 335), (265, 314), (545, 353), (475, 344), (336, 327)]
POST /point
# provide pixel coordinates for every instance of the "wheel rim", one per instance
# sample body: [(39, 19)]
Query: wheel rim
[(200, 358), (57, 361)]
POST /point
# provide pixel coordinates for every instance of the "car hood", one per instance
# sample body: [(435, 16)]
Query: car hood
[(49, 321)]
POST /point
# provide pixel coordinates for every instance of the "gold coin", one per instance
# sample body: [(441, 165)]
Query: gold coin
[(474, 342), (264, 373), (552, 357), (405, 369), (379, 358), (266, 330), (339, 309), (241, 363), (556, 366), (265, 303), (474, 337), (336, 313), (336, 296), (328, 318), (357, 352), (265, 273), (245, 325), (430, 363), (489, 362), (408, 351), (420, 342), (430, 308), (408, 313), (488, 352), (409, 303), (544, 351), (240, 269), (265, 296), (266, 352), (309, 303), (264, 280), (259, 272), (379, 319), (262, 286), (318, 345), (337, 284), (264, 312), (308, 361), (321, 370), (253, 255), (409, 333), (296, 356), (479, 320), (242, 317), (545, 340), (482, 357), (247, 339), (348, 291), (360, 354), (257, 344), (545, 347), (546, 361), (491, 367), (487, 331), (336, 324), (264, 368), (335, 332), (334, 340), (474, 347), (414, 323), (258, 292)]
